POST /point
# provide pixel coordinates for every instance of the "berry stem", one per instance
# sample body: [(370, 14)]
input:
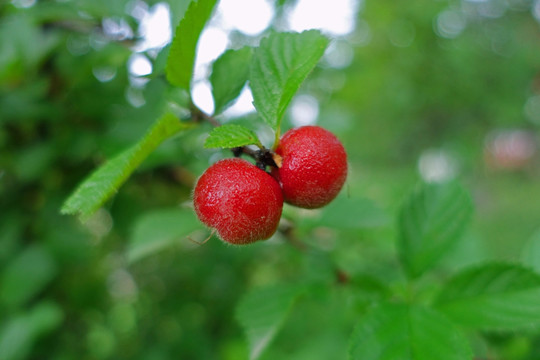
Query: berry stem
[(276, 138)]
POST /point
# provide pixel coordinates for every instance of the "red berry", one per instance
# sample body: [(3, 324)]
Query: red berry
[(240, 201), (314, 166)]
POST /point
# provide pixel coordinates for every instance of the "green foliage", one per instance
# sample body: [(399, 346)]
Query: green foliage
[(349, 214), (231, 136), (184, 45), (430, 222), (262, 312), (407, 332), (159, 230), (408, 100), (26, 275), (18, 335), (493, 297), (230, 73), (280, 64), (104, 182)]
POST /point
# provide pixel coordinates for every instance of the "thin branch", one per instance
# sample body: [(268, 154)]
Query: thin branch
[(198, 115)]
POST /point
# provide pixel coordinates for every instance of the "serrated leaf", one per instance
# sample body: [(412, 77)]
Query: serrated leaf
[(407, 332), (231, 136), (104, 182), (181, 58), (493, 297), (430, 222), (161, 229), (230, 73), (279, 66), (262, 312)]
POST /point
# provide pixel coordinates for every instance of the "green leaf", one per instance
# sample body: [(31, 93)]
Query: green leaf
[(104, 182), (407, 332), (430, 223), (230, 136), (279, 66), (493, 297), (369, 287), (184, 44), (530, 255), (229, 75), (161, 229), (45, 317), (16, 339), (26, 275), (262, 312), (18, 335), (348, 214)]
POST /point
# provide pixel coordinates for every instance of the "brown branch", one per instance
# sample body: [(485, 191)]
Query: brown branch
[(198, 115)]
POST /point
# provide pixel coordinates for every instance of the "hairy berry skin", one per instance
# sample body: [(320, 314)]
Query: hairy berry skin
[(314, 166), (240, 201)]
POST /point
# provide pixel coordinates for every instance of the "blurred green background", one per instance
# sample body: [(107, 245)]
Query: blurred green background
[(418, 90)]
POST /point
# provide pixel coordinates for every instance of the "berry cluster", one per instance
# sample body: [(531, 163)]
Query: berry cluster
[(243, 203)]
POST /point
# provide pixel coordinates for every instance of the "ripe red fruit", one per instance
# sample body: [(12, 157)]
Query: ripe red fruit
[(314, 166), (240, 201)]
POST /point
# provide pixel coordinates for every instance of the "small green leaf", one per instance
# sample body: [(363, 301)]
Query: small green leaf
[(279, 66), (229, 75), (26, 275), (161, 229), (430, 223), (262, 312), (407, 332), (104, 182), (493, 297), (231, 136), (184, 45)]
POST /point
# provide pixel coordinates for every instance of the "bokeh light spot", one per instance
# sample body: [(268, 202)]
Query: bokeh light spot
[(139, 65), (104, 73), (450, 24), (154, 27), (243, 104), (336, 17), (339, 54), (304, 110), (437, 165), (202, 96), (249, 17), (212, 43)]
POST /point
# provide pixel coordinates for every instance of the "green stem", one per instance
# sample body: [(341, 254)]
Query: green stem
[(276, 139)]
